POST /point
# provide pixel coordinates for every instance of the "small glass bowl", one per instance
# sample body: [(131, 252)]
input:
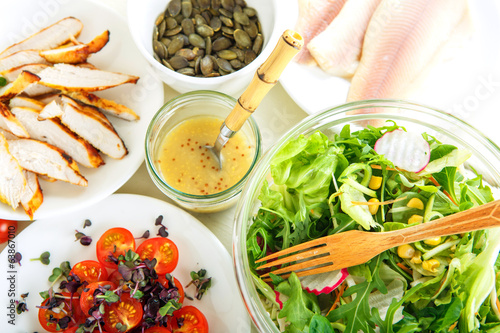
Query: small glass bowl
[(446, 128), (176, 111)]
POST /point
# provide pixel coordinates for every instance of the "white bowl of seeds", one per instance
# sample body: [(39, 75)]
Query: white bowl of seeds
[(205, 44)]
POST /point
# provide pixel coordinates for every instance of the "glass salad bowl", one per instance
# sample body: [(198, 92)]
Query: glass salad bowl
[(475, 286)]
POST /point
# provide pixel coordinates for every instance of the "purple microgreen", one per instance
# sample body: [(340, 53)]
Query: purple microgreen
[(17, 258), (86, 240), (201, 282), (87, 223), (21, 305), (159, 220), (65, 268), (145, 235), (44, 258), (78, 235), (162, 232)]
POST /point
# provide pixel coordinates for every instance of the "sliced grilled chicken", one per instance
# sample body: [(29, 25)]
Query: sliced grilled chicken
[(37, 89), (99, 42), (21, 83), (13, 73), (48, 38), (10, 123), (32, 197), (26, 102), (22, 58), (75, 78), (69, 55), (105, 105), (55, 133), (12, 181), (87, 122), (45, 159), (8, 135)]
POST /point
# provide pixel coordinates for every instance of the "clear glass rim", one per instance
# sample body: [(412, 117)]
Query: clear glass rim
[(180, 195), (244, 208)]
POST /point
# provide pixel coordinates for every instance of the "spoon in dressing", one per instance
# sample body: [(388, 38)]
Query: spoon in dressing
[(266, 76)]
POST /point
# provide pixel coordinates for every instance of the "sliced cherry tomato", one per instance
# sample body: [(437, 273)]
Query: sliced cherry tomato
[(116, 277), (7, 228), (157, 330), (127, 311), (87, 296), (90, 271), (71, 330), (164, 281), (74, 312), (164, 250), (114, 241), (193, 320)]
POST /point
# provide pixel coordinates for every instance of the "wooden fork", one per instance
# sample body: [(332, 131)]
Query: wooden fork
[(355, 247)]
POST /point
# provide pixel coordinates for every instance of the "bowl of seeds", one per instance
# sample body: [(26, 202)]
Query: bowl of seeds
[(205, 44)]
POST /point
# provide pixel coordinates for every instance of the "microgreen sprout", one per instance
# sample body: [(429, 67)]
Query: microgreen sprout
[(162, 231), (84, 239), (201, 282), (87, 223), (21, 305), (44, 258), (145, 235), (17, 258)]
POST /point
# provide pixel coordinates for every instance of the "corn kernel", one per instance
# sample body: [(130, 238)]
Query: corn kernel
[(415, 203), (375, 182), (406, 251), (373, 208), (415, 219), (431, 265), (433, 241), (417, 259)]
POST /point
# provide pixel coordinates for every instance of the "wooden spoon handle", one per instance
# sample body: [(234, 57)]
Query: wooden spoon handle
[(265, 78), (482, 217)]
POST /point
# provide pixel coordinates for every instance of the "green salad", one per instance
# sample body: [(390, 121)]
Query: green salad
[(326, 185)]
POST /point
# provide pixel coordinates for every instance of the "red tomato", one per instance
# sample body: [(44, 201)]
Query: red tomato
[(114, 241), (163, 280), (87, 296), (127, 311), (71, 330), (44, 315), (116, 278), (90, 271), (7, 228), (164, 250), (157, 330), (194, 320)]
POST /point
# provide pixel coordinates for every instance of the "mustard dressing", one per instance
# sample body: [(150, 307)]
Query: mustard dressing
[(188, 166)]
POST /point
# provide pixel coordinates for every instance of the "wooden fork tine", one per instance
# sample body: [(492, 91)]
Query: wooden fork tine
[(302, 265), (296, 257), (303, 246)]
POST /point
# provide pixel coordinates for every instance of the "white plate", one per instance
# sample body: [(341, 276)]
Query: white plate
[(457, 84), (198, 248), (23, 18)]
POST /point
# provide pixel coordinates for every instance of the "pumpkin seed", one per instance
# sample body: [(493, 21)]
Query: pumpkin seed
[(249, 11), (216, 4), (187, 26), (161, 28), (178, 62), (221, 43), (171, 22), (226, 12), (159, 18), (204, 4), (236, 64), (214, 61), (242, 39), (175, 45), (213, 75), (204, 30), (197, 65), (208, 45), (227, 54), (215, 23), (156, 57), (249, 56), (206, 16), (187, 8), (227, 21), (239, 53), (241, 18), (165, 41), (186, 53), (167, 64), (206, 65), (173, 32), (156, 35), (197, 40), (198, 20), (158, 49), (228, 4), (228, 31), (224, 65), (186, 71), (257, 44), (251, 29), (174, 7)]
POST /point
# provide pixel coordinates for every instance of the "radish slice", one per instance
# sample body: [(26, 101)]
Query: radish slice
[(323, 283), (408, 151), (280, 298)]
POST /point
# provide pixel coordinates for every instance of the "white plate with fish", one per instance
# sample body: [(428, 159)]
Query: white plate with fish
[(464, 68), (21, 19), (198, 249)]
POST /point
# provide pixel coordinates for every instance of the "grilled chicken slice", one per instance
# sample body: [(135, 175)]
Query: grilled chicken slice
[(48, 38), (88, 123), (32, 197), (26, 102), (99, 42), (21, 83), (13, 73), (75, 78), (8, 135), (12, 181), (53, 132), (105, 105), (45, 159), (10, 123), (69, 55), (37, 89), (21, 58)]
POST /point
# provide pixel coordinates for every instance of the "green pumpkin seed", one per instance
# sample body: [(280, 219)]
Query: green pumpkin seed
[(204, 4), (228, 31), (178, 62), (216, 4), (236, 64), (226, 13), (173, 32), (171, 22), (226, 21), (197, 61), (257, 44), (204, 30), (242, 39), (239, 53), (158, 49), (157, 58), (197, 40), (187, 26), (198, 20), (186, 8), (206, 65), (186, 53), (227, 54), (227, 4), (221, 43), (174, 7), (167, 64), (161, 28), (206, 16), (215, 23), (251, 29), (249, 11), (186, 71), (208, 45), (159, 18), (175, 45), (224, 65), (249, 56)]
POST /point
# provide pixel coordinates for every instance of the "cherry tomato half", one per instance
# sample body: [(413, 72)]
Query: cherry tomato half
[(116, 277), (163, 280), (87, 296), (74, 311), (164, 250), (90, 271), (7, 228), (127, 311), (114, 241), (157, 330), (193, 320)]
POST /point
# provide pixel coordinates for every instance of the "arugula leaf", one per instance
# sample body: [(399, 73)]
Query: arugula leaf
[(320, 324)]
